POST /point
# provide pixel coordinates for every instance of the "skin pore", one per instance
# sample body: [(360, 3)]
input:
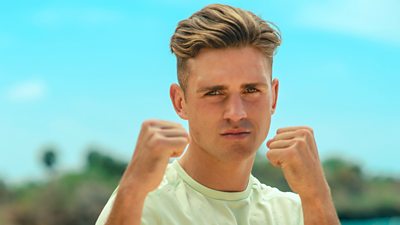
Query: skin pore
[(229, 103)]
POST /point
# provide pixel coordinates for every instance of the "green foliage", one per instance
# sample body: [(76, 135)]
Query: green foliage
[(49, 157), (355, 195), (268, 174), (72, 198), (75, 198), (3, 192), (104, 165), (360, 196)]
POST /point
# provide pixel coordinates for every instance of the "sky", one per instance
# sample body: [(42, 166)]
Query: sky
[(75, 74)]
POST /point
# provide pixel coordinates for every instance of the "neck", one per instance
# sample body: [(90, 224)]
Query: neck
[(229, 176)]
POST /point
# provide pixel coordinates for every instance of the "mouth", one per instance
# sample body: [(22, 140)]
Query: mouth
[(235, 134)]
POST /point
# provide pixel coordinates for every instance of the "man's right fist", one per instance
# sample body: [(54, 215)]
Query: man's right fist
[(157, 142)]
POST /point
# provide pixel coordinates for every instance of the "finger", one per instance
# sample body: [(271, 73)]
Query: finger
[(157, 128), (294, 128), (163, 124), (280, 143), (275, 157), (283, 136), (174, 133), (177, 145)]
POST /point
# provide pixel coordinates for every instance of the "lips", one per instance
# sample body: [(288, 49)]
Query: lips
[(235, 132)]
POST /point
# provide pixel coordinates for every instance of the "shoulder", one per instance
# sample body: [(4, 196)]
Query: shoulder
[(279, 207), (273, 195), (170, 181)]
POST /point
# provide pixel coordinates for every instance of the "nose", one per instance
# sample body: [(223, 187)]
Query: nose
[(235, 109)]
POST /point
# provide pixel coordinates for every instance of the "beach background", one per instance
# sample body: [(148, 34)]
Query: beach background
[(77, 79)]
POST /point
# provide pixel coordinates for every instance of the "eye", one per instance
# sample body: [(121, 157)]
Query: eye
[(251, 90), (213, 93)]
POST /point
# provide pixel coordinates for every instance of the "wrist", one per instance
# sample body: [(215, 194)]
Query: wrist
[(127, 207), (318, 196), (319, 209), (132, 190)]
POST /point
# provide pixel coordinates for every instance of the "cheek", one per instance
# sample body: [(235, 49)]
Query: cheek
[(260, 114), (202, 116), (207, 111)]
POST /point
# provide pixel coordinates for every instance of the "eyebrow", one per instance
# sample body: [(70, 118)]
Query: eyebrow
[(223, 87), (211, 88)]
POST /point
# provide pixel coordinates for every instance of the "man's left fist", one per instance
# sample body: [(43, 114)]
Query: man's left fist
[(294, 150)]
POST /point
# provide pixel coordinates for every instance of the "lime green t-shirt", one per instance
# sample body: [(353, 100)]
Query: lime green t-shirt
[(180, 200)]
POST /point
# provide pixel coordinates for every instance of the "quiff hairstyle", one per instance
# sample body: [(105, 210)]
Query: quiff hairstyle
[(220, 26)]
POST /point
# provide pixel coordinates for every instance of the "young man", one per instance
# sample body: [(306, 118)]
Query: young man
[(227, 95)]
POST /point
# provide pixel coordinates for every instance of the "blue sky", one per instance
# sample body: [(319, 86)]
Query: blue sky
[(75, 74)]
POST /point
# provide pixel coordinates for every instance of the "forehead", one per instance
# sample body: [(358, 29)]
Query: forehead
[(228, 66)]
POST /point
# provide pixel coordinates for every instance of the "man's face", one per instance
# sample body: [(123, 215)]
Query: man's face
[(229, 101)]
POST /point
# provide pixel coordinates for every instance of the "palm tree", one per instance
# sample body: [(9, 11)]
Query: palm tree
[(49, 158)]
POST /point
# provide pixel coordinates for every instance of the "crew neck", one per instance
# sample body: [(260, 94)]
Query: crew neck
[(211, 193)]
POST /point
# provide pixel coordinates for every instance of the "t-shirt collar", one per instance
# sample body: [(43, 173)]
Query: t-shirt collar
[(220, 195)]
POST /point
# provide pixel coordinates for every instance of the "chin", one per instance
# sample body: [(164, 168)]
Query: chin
[(241, 152)]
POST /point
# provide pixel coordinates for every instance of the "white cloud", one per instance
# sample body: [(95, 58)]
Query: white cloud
[(377, 20), (27, 91), (78, 16)]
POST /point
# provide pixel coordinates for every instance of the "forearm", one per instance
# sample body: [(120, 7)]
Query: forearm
[(319, 210), (127, 207)]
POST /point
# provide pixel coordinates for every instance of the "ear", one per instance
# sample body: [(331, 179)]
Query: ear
[(274, 90), (178, 100)]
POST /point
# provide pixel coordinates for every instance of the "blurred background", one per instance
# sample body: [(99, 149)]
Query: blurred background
[(77, 78)]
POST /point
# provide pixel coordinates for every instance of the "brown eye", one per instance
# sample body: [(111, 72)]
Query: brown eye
[(213, 93), (251, 90)]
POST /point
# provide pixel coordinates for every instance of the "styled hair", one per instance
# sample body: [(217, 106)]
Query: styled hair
[(220, 26)]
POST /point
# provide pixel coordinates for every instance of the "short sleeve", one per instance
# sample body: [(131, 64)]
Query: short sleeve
[(149, 213), (299, 210), (107, 209)]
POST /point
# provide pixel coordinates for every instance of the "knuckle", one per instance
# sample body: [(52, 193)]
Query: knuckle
[(308, 131), (303, 132), (147, 123), (151, 132), (311, 130), (301, 142), (299, 132), (154, 141)]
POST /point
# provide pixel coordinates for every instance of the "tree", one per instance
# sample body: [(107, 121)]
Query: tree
[(49, 158)]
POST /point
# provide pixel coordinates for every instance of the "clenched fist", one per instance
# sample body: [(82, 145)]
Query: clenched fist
[(294, 150), (157, 142)]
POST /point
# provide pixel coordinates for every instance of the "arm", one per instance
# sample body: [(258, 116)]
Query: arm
[(294, 150), (127, 208), (157, 142), (319, 210)]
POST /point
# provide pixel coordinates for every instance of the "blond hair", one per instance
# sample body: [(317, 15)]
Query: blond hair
[(221, 26)]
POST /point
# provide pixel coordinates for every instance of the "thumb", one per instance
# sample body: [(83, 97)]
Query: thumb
[(275, 157)]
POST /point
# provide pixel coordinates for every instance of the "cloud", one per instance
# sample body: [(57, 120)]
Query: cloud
[(377, 20), (27, 91), (78, 16)]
